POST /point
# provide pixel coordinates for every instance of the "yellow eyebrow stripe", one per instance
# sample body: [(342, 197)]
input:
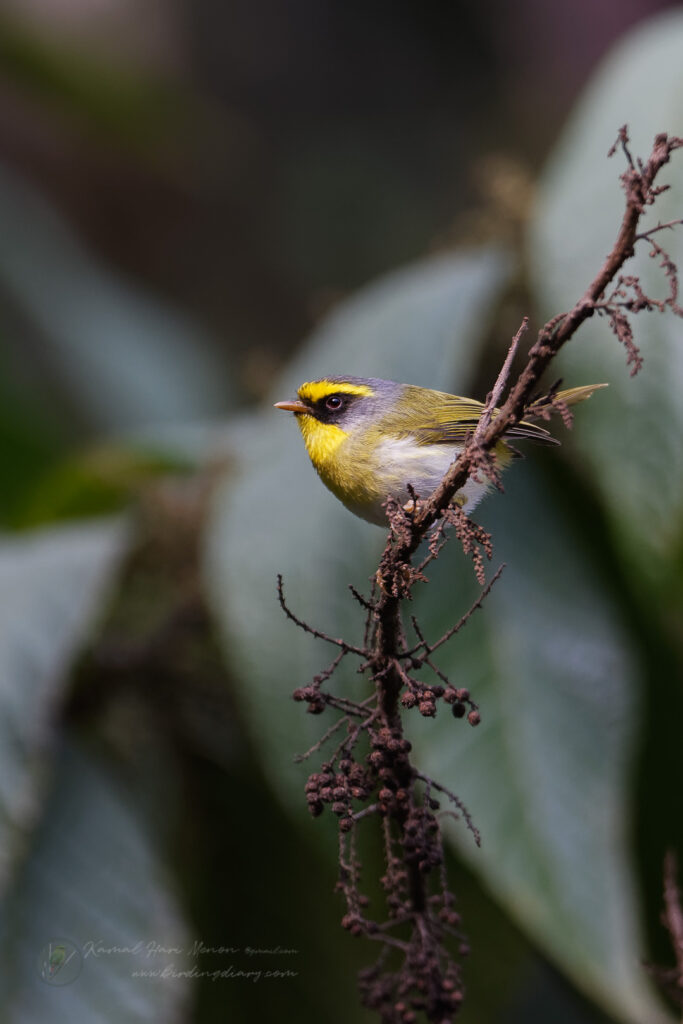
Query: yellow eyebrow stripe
[(314, 390)]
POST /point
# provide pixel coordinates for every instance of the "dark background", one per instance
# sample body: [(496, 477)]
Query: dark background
[(251, 162), (248, 165)]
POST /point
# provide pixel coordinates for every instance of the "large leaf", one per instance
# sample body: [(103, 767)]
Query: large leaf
[(629, 441), (424, 324), (124, 359), (127, 104), (271, 515), (52, 584), (94, 897)]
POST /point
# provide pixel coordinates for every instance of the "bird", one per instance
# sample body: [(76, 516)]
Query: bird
[(370, 439)]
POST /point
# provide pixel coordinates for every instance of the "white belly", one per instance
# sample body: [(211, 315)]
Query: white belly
[(403, 462)]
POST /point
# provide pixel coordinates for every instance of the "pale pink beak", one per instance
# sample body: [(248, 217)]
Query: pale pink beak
[(293, 407)]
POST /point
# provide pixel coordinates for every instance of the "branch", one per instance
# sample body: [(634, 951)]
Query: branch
[(660, 227), (346, 647), (498, 388), (430, 648), (640, 192)]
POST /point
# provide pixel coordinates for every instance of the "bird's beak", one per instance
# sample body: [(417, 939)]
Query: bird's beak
[(292, 406)]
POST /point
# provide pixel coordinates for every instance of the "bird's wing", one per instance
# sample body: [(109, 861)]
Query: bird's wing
[(453, 419)]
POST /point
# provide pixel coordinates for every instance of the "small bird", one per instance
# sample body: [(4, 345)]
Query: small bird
[(369, 439)]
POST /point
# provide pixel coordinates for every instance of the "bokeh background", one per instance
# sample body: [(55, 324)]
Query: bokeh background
[(245, 165), (188, 192)]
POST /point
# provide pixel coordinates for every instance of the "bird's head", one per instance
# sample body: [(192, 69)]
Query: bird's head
[(331, 409)]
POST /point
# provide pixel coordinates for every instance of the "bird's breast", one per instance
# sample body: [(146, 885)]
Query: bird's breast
[(401, 461)]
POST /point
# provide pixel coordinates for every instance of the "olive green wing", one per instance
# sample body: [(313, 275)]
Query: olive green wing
[(448, 419)]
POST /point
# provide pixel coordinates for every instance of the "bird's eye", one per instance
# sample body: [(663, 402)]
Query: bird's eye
[(334, 402)]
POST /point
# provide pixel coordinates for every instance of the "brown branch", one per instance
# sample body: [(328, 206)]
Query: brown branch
[(646, 235), (638, 186), (362, 601), (349, 707)]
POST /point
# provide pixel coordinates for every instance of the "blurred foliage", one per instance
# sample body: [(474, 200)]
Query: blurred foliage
[(630, 452), (70, 884), (30, 444), (148, 792), (53, 585), (122, 104), (102, 480)]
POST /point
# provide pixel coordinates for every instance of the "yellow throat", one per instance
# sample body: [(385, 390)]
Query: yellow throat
[(323, 439)]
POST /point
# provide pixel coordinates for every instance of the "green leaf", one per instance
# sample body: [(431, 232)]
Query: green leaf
[(99, 481), (30, 440), (53, 584), (123, 359), (131, 106), (92, 888), (425, 325), (547, 773), (628, 438)]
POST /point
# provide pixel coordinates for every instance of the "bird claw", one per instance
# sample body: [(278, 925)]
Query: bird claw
[(412, 507)]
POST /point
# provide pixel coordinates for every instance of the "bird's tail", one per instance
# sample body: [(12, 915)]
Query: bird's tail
[(541, 408), (574, 395)]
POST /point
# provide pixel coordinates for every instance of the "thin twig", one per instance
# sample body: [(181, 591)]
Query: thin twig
[(328, 672), (430, 648), (349, 740), (371, 809), (346, 647), (646, 235), (362, 601), (349, 707), (424, 659), (501, 381), (321, 742), (455, 800)]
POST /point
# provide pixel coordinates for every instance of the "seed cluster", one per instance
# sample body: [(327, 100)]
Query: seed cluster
[(370, 775), (425, 986), (377, 775), (338, 788), (425, 699)]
